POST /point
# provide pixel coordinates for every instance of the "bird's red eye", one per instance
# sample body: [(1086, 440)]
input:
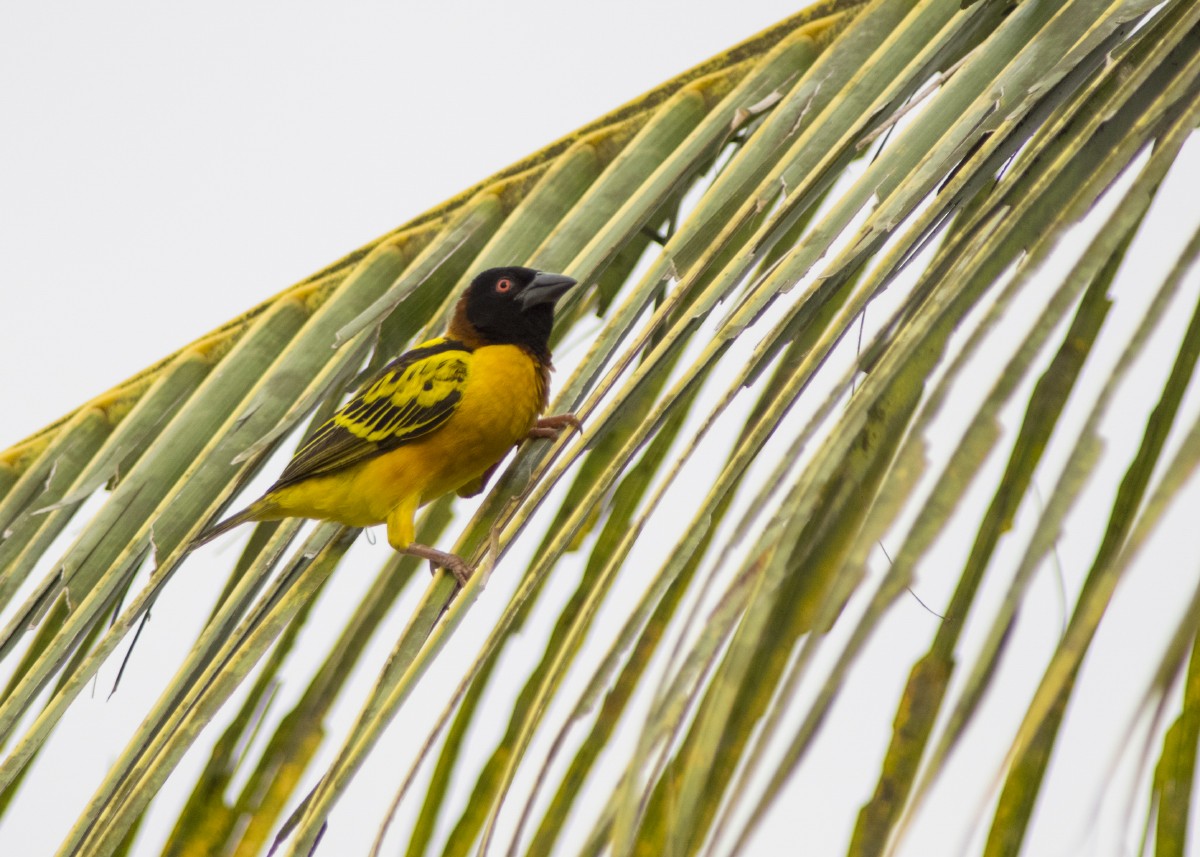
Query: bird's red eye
[(504, 285)]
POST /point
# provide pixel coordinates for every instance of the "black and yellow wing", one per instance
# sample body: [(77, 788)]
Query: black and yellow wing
[(412, 396)]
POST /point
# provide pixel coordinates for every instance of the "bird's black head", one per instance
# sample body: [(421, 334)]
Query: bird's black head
[(511, 306)]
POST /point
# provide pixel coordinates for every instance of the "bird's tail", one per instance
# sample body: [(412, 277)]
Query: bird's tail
[(250, 513)]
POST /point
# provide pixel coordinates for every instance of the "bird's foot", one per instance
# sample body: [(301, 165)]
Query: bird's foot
[(551, 427), (453, 563)]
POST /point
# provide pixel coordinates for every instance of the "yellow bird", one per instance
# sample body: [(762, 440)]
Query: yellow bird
[(437, 419)]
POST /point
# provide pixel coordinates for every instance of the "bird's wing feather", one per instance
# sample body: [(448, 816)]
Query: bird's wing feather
[(412, 396)]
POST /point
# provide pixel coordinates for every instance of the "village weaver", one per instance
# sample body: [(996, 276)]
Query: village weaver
[(437, 419)]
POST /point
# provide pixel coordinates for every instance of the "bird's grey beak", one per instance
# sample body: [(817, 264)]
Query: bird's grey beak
[(545, 289)]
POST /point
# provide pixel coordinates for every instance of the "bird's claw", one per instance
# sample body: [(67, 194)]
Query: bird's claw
[(551, 427), (461, 571), (453, 563)]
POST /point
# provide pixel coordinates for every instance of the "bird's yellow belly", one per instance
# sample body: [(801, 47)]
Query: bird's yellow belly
[(502, 398)]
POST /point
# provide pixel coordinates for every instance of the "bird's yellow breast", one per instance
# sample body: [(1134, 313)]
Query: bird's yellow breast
[(505, 390)]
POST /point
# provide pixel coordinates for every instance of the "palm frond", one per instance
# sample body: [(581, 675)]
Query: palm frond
[(854, 289)]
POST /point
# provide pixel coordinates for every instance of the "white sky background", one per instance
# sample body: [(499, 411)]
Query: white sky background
[(163, 170)]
